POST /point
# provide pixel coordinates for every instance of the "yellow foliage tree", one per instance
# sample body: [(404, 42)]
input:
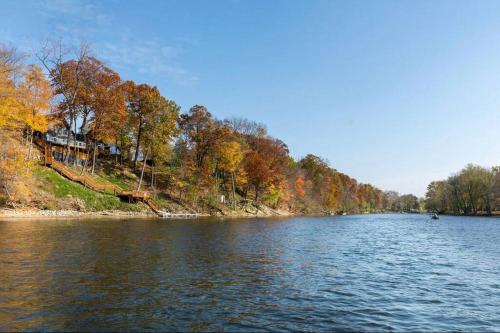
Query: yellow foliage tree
[(14, 171), (35, 95), (9, 104), (231, 155)]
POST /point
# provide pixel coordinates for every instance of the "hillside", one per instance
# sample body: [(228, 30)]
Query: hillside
[(52, 192), (130, 136)]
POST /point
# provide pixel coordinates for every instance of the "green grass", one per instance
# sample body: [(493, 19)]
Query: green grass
[(163, 203), (114, 179), (61, 188), (103, 178)]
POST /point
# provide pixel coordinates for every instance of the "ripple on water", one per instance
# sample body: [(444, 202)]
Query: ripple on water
[(365, 273)]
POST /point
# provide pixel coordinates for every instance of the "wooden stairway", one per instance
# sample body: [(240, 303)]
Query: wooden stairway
[(89, 182)]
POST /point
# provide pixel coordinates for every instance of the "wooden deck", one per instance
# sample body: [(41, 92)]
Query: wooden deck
[(89, 182)]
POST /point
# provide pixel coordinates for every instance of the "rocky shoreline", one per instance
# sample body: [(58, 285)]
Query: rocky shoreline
[(33, 213), (17, 213)]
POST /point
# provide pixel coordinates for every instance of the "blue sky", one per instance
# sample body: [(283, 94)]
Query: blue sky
[(395, 93)]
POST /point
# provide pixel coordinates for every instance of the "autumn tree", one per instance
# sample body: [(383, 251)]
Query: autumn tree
[(66, 77), (137, 97), (159, 126), (330, 192), (35, 96), (198, 143), (197, 128), (264, 163), (14, 170), (10, 68), (105, 104), (245, 127), (326, 182), (299, 186), (230, 156)]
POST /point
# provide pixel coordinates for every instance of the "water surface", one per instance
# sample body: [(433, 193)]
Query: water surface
[(366, 272)]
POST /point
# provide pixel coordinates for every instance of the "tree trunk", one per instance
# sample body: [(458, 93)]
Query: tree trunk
[(257, 189), (68, 139), (84, 167), (86, 152), (153, 179), (76, 148), (152, 175), (142, 171), (122, 151), (471, 199), (234, 190), (138, 144), (94, 156), (116, 150), (31, 145), (216, 188), (156, 184)]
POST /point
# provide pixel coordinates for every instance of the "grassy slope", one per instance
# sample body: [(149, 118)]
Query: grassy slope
[(57, 192), (62, 188), (113, 179)]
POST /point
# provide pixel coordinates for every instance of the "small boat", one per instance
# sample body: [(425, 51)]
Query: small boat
[(435, 216)]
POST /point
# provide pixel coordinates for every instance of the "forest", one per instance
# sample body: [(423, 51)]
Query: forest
[(474, 190), (190, 157)]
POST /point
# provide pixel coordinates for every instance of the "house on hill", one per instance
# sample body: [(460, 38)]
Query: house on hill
[(80, 151)]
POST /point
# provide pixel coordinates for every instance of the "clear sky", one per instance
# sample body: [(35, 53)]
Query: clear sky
[(394, 93)]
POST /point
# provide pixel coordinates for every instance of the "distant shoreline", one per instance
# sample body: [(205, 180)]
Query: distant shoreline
[(493, 214)]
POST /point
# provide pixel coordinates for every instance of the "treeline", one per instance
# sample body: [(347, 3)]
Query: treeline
[(472, 191), (205, 162)]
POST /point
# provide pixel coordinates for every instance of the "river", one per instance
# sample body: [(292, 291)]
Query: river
[(364, 272)]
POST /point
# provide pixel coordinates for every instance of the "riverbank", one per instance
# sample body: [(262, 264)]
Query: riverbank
[(27, 213), (493, 214), (39, 213), (58, 197)]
